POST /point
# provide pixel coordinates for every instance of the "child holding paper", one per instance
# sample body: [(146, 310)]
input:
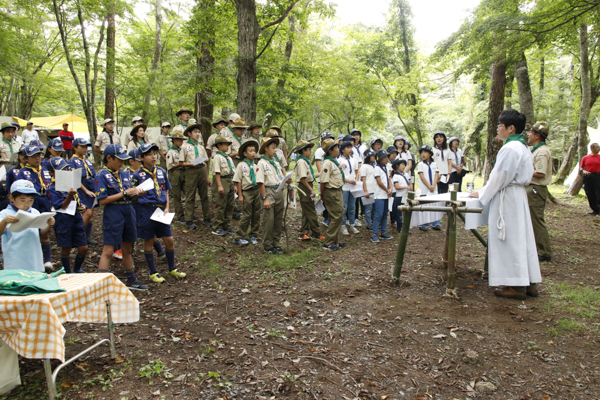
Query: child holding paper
[(69, 228), (349, 167), (86, 192), (196, 175), (147, 204), (20, 249), (368, 181)]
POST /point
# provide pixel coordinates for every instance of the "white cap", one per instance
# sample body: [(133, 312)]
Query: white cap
[(192, 121), (165, 124), (136, 118), (107, 120), (234, 116)]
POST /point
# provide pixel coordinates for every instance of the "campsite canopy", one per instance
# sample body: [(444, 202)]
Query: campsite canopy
[(76, 124)]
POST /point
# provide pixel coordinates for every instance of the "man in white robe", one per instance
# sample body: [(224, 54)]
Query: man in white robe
[(513, 261)]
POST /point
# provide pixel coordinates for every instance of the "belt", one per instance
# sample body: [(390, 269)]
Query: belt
[(155, 205), (226, 176), (120, 202), (332, 188), (252, 188), (272, 187)]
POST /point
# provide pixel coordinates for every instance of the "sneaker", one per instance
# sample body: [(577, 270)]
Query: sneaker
[(319, 237), (386, 236), (161, 256), (220, 232), (352, 229), (48, 267), (374, 239), (208, 223), (341, 245), (279, 250), (230, 231), (544, 259), (423, 228), (272, 251), (332, 247), (191, 225), (240, 242), (156, 278), (357, 223), (305, 237), (369, 228), (136, 285), (437, 227), (177, 274), (117, 255), (254, 240), (237, 216), (79, 271), (344, 230), (90, 240)]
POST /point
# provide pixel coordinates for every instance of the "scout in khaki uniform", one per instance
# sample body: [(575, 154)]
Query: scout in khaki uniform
[(282, 146), (253, 132), (268, 178), (8, 146), (248, 194), (162, 142), (107, 136), (537, 191), (184, 115), (176, 173), (239, 127), (279, 156), (332, 180), (196, 176), (228, 131), (305, 176), (223, 188), (219, 125)]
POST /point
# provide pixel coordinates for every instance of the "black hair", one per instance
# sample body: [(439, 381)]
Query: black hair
[(514, 118), (332, 148), (248, 147), (105, 159), (444, 144), (343, 145), (367, 159), (17, 194)]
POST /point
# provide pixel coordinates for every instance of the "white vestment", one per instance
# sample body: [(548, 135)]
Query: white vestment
[(513, 260)]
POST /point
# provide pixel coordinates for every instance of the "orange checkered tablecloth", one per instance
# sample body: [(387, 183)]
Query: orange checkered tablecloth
[(32, 325)]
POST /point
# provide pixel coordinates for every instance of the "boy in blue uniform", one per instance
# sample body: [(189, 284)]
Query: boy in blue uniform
[(114, 192), (86, 192), (147, 203), (41, 179), (55, 149), (69, 228), (13, 172)]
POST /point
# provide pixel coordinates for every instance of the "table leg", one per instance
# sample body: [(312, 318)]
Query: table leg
[(50, 379), (111, 334), (407, 216)]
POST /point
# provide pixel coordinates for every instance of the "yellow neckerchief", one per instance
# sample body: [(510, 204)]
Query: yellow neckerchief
[(88, 171), (38, 171), (153, 175), (117, 177), (9, 144)]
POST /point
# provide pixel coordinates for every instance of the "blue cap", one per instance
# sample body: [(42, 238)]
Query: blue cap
[(146, 147), (37, 143), (135, 154), (23, 186), (16, 125), (32, 150), (56, 164), (22, 149), (81, 142), (56, 144), (116, 150)]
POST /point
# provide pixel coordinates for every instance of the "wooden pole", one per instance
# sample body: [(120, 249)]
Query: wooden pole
[(452, 243), (407, 215), (445, 255)]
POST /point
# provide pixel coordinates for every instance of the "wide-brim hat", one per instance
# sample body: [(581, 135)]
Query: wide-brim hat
[(220, 139), (254, 124), (220, 121), (373, 141), (239, 124), (328, 144), (426, 148), (381, 154), (176, 134), (353, 131), (541, 128), (7, 125), (345, 144), (442, 133), (276, 128), (271, 133), (392, 149), (246, 144), (267, 141), (348, 138), (301, 145), (182, 110), (191, 128), (398, 161), (452, 139), (135, 129)]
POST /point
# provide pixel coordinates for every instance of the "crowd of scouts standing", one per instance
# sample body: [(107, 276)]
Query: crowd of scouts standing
[(247, 169)]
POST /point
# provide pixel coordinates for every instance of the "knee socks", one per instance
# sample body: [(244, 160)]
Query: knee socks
[(130, 275), (79, 259), (158, 247), (88, 229), (171, 259), (149, 255), (66, 263), (47, 251)]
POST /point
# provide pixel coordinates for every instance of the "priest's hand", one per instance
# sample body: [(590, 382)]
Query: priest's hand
[(474, 195)]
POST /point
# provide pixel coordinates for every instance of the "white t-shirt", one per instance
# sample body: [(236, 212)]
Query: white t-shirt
[(358, 153), (366, 171), (454, 156), (442, 164), (407, 155), (424, 168), (319, 154), (402, 181), (385, 179), (28, 136), (349, 166)]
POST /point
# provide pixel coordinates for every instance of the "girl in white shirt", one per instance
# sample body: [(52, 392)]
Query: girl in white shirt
[(349, 167), (441, 156), (368, 181), (402, 185), (410, 161), (383, 191), (456, 161), (428, 179)]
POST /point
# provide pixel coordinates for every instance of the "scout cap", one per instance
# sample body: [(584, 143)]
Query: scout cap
[(398, 161), (192, 121), (136, 119), (239, 123), (345, 144), (452, 139), (220, 139), (37, 143), (373, 141), (356, 132), (392, 149), (146, 147), (135, 154), (57, 163), (165, 124), (541, 128), (233, 117), (328, 144), (6, 125), (248, 143), (426, 148), (191, 128), (276, 128), (23, 186), (81, 142), (107, 120), (348, 138), (29, 123), (219, 121), (56, 144), (16, 125), (32, 150), (326, 135), (381, 154), (183, 110), (22, 149), (254, 124), (134, 130), (267, 141), (301, 145), (116, 150), (66, 123)]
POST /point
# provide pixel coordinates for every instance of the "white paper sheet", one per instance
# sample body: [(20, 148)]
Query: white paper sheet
[(198, 160), (71, 209), (444, 178), (284, 181), (3, 174), (147, 185), (65, 180), (28, 220), (369, 200), (390, 204), (163, 217), (357, 190), (320, 207)]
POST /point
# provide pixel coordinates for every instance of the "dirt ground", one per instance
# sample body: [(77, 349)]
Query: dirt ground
[(313, 324)]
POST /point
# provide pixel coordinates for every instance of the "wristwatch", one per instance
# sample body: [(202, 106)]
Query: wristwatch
[(264, 197)]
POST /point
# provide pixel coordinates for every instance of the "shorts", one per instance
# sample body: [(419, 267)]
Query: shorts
[(118, 224), (148, 228), (69, 230), (42, 204), (87, 201)]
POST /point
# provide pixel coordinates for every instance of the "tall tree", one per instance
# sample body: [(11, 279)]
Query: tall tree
[(524, 87), (111, 57), (155, 60), (496, 104)]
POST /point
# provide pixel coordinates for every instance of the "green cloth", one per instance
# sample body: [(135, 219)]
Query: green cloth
[(309, 165), (20, 282), (228, 161), (333, 160), (9, 145), (273, 164), (518, 137), (190, 141), (252, 174), (537, 146)]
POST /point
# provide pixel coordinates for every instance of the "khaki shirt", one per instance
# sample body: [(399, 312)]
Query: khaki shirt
[(242, 174), (103, 140), (281, 157), (248, 136), (542, 162), (187, 154), (5, 152), (227, 132), (220, 165), (303, 171), (163, 143), (267, 174), (132, 146), (210, 144), (235, 145), (172, 158), (331, 175), (283, 146), (181, 128)]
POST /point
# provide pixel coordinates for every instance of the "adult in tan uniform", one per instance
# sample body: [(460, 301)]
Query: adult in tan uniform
[(253, 132), (282, 144), (332, 180), (248, 194), (239, 127), (162, 141), (196, 176), (228, 130), (223, 188), (184, 115), (537, 191), (305, 176), (219, 124), (176, 173), (107, 136), (9, 146)]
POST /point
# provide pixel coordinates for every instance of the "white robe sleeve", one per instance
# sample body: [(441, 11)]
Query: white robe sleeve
[(504, 172)]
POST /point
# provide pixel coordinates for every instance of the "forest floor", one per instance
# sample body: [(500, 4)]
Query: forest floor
[(313, 324)]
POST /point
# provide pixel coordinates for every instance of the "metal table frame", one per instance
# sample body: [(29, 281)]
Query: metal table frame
[(51, 375)]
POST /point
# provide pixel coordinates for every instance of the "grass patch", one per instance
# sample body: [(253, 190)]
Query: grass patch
[(566, 327), (206, 265), (296, 258), (577, 304)]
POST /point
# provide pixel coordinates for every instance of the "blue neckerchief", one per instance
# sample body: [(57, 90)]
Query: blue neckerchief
[(429, 166), (383, 168), (349, 164), (405, 178), (17, 210), (442, 152), (455, 155)]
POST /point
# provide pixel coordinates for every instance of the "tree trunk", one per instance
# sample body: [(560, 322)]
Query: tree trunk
[(289, 46), (248, 32), (524, 87), (155, 61), (567, 161), (109, 96), (586, 91), (509, 91), (203, 107), (496, 103), (542, 73)]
